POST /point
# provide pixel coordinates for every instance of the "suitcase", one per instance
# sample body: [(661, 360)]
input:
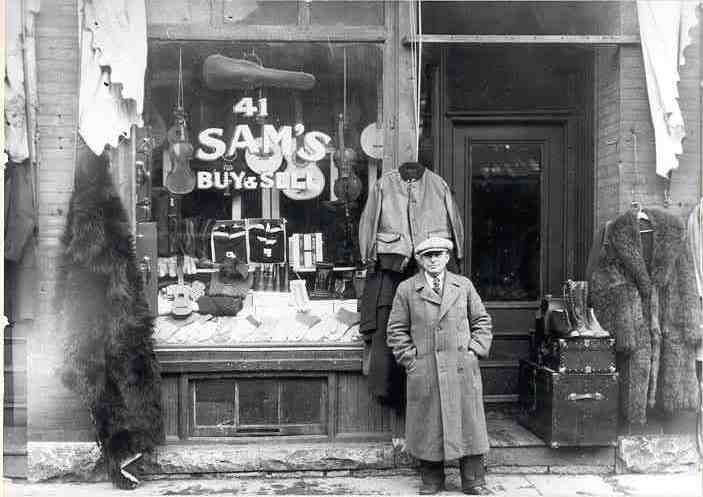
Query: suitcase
[(578, 355), (569, 409)]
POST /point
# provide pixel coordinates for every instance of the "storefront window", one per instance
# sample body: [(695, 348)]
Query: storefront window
[(368, 13), (238, 216), (505, 203), (259, 406)]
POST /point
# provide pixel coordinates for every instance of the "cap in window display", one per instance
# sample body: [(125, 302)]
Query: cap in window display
[(433, 243)]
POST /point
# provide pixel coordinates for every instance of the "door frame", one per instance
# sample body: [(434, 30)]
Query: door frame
[(579, 204), (552, 222)]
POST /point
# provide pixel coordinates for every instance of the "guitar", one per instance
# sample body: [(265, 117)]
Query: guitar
[(297, 169), (264, 161), (180, 309), (180, 180)]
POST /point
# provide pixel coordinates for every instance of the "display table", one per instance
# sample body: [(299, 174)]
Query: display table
[(266, 318)]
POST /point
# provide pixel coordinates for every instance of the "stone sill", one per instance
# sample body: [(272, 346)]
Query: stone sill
[(78, 461)]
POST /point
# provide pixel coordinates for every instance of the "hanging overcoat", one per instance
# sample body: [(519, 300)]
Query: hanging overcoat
[(649, 308), (431, 337)]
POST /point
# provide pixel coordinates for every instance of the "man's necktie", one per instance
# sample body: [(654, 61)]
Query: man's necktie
[(436, 284)]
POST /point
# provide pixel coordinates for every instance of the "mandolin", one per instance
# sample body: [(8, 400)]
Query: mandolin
[(180, 180), (299, 169)]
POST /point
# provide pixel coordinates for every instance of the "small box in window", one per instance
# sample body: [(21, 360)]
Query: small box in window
[(304, 250)]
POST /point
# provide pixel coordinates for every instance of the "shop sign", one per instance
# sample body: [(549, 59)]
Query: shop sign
[(263, 155)]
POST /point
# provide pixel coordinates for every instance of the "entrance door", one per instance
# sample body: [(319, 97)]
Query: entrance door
[(509, 180)]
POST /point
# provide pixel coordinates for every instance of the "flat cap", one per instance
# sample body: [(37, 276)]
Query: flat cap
[(433, 243)]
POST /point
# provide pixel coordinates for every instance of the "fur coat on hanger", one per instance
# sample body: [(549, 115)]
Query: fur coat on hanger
[(109, 351), (652, 312)]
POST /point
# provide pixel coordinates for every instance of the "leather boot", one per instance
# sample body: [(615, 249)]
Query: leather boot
[(432, 477), (473, 475), (575, 296), (594, 327)]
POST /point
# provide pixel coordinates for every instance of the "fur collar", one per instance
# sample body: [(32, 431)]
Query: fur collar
[(625, 238)]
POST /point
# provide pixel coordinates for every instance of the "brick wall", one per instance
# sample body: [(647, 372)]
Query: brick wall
[(623, 108), (607, 134), (53, 412)]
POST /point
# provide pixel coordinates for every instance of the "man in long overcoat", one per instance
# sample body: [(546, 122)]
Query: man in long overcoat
[(437, 329)]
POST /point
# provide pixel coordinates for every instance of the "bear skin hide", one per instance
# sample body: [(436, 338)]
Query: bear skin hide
[(649, 308), (109, 350)]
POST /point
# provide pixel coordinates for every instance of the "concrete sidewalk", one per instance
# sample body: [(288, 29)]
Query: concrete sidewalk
[(669, 485)]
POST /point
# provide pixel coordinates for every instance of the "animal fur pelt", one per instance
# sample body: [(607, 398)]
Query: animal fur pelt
[(649, 308), (109, 350)]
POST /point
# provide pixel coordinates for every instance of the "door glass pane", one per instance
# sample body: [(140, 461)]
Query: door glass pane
[(505, 214), (258, 402), (214, 403)]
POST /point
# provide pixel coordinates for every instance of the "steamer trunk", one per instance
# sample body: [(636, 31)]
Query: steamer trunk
[(569, 409)]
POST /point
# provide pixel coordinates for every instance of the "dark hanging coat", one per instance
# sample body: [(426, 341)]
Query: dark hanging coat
[(431, 337), (649, 308), (109, 351)]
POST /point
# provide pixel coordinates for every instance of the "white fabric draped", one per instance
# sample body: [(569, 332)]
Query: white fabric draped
[(16, 132), (113, 63), (664, 32)]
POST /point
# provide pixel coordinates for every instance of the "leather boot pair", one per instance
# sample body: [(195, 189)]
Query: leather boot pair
[(432, 477), (473, 475)]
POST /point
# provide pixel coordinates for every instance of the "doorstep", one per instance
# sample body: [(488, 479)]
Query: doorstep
[(514, 450)]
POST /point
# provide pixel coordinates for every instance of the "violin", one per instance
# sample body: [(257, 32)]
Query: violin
[(180, 180), (347, 187)]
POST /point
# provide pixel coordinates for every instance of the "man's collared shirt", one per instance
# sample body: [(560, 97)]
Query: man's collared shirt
[(431, 280)]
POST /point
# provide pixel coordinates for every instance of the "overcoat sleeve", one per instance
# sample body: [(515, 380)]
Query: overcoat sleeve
[(455, 220), (480, 324), (368, 224), (398, 335)]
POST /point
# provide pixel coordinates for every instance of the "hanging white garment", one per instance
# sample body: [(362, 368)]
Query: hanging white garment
[(113, 63), (16, 135), (664, 33)]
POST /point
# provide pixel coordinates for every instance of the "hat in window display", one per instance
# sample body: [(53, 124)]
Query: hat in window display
[(433, 243)]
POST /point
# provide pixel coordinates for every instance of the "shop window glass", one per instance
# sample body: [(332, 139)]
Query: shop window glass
[(258, 402), (367, 13), (505, 213), (259, 406), (283, 197), (214, 403), (261, 12)]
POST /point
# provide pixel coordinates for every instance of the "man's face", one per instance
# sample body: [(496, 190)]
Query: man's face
[(434, 261)]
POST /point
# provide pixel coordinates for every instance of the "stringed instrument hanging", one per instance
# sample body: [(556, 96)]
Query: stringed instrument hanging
[(269, 157), (180, 180), (347, 187), (297, 167)]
